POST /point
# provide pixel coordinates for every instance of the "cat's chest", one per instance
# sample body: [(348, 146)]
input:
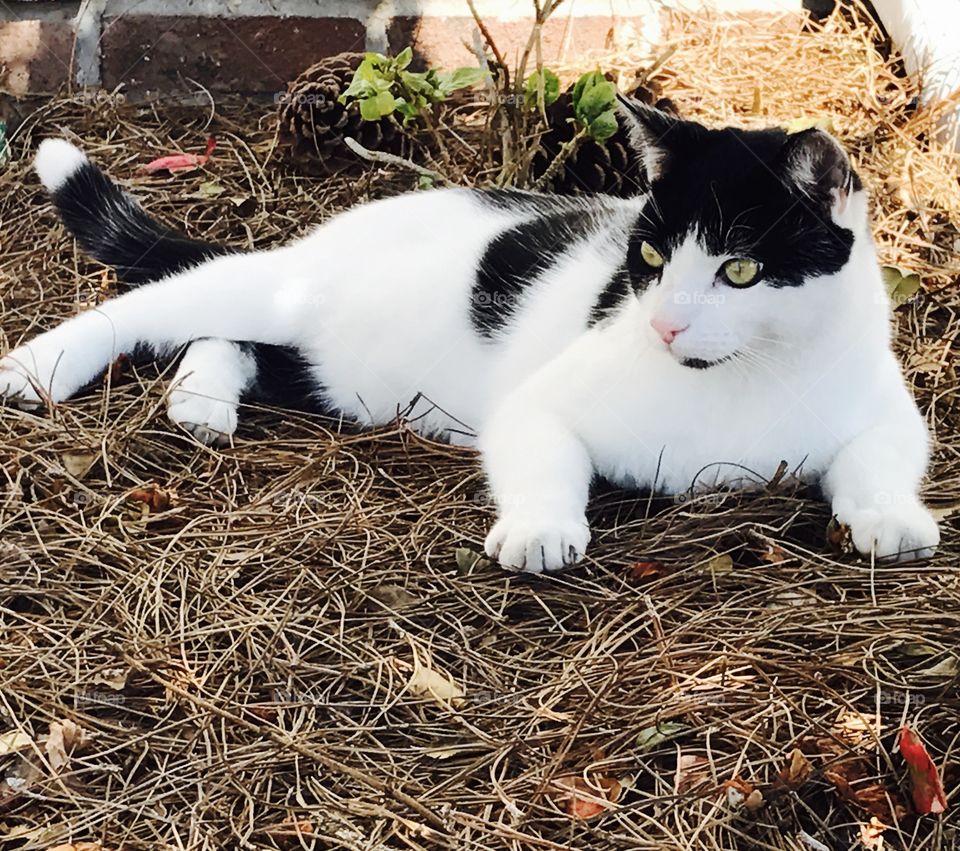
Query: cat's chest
[(674, 434)]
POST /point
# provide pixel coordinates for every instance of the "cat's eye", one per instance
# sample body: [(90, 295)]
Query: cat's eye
[(650, 255), (741, 271)]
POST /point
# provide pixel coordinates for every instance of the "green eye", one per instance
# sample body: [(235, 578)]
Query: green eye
[(651, 256), (741, 271)]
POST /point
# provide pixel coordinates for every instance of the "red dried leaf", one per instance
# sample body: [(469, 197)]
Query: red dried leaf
[(175, 163), (585, 799), (154, 497), (645, 571), (925, 784)]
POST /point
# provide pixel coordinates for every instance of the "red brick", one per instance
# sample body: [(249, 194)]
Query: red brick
[(154, 54), (35, 56), (440, 41)]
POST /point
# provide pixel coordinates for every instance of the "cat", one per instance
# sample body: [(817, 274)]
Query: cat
[(696, 335)]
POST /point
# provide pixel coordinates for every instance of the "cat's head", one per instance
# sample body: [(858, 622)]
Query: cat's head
[(742, 234)]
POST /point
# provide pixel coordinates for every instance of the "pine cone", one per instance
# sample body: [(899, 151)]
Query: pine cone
[(611, 167), (313, 123)]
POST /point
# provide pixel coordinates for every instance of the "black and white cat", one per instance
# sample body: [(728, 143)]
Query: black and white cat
[(731, 317)]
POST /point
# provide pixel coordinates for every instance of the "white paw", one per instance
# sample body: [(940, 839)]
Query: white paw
[(16, 387), (893, 532), (534, 545), (211, 420)]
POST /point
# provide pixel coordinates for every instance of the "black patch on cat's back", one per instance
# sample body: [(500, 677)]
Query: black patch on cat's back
[(617, 289), (520, 255)]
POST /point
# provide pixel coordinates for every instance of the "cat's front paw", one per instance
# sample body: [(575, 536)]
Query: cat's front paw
[(893, 532), (535, 544)]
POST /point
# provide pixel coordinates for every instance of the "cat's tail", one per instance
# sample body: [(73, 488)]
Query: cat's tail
[(108, 223)]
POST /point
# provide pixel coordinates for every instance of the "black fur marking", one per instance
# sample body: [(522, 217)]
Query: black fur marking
[(285, 379), (518, 256), (617, 290), (113, 228), (737, 190)]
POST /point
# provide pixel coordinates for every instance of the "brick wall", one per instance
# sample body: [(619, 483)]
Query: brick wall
[(149, 48)]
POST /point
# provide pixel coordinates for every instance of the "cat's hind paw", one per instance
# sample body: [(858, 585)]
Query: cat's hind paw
[(536, 545), (209, 420), (893, 533)]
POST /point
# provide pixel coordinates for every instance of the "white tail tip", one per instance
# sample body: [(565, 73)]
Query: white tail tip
[(56, 161)]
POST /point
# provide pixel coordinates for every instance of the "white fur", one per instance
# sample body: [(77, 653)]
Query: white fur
[(383, 314), (56, 161), (206, 390)]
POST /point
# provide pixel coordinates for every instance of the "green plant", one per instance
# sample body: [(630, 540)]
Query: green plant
[(383, 85), (542, 86), (594, 106)]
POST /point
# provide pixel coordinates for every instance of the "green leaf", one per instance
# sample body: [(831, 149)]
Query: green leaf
[(370, 109), (425, 181), (901, 286), (603, 126), (404, 58), (551, 88), (386, 103), (597, 96), (209, 189), (650, 737), (467, 560), (460, 78)]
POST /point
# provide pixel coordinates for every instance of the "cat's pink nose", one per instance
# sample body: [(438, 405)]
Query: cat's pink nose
[(667, 330)]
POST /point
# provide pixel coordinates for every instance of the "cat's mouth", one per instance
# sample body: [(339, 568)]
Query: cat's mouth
[(703, 363)]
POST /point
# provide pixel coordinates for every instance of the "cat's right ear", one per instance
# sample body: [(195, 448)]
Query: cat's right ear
[(656, 135)]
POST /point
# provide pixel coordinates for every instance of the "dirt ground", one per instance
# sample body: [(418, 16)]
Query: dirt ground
[(288, 644)]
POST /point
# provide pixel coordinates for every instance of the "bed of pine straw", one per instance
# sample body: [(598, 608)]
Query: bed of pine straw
[(205, 649)]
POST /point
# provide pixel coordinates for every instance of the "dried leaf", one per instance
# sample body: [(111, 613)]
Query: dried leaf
[(114, 678), (77, 846), (430, 682), (645, 571), (393, 596), (64, 738), (839, 537), (720, 564), (871, 834), (13, 741), (925, 784), (691, 771), (773, 554), (796, 772), (78, 464), (449, 751), (649, 737), (946, 668), (154, 498), (177, 163), (584, 798)]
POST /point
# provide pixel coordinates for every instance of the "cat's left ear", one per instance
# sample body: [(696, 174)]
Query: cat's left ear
[(820, 167), (657, 136)]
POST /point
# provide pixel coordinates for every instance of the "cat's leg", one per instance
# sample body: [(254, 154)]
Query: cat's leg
[(268, 297), (539, 472), (205, 393), (873, 487)]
